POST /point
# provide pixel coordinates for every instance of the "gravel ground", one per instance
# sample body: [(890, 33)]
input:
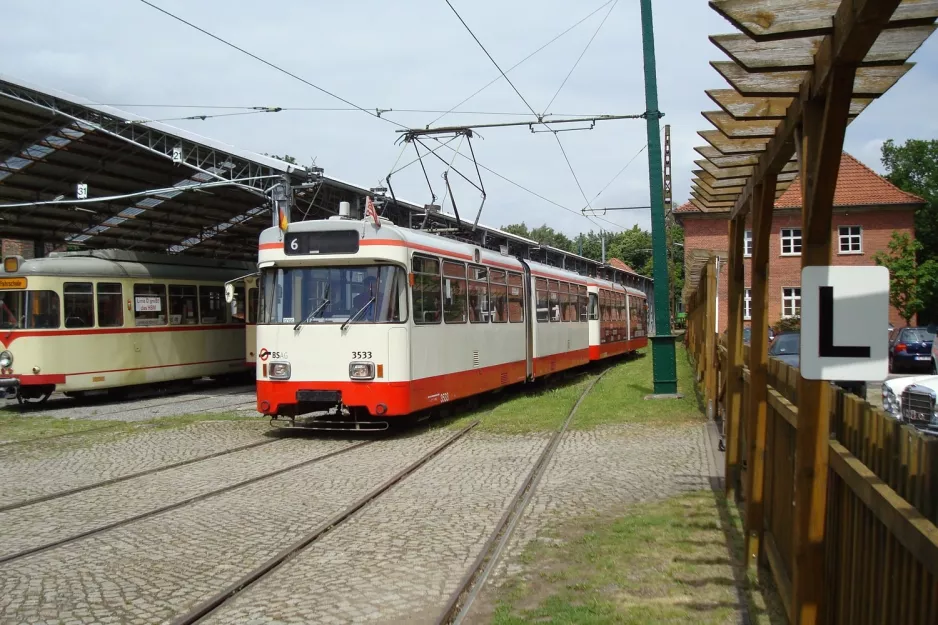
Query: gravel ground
[(400, 558), (34, 470), (150, 570), (45, 522)]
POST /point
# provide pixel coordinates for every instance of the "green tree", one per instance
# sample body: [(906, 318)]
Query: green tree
[(286, 158), (519, 230), (913, 167), (542, 234), (910, 282)]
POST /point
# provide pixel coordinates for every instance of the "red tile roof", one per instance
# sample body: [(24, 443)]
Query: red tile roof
[(618, 264), (857, 185)]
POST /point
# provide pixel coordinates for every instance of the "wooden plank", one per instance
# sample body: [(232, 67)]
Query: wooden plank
[(765, 20), (723, 172), (741, 107), (703, 208), (782, 581), (731, 147), (758, 371), (711, 203), (718, 183), (741, 129), (734, 399), (892, 47), (910, 527), (870, 82), (717, 194), (709, 286)]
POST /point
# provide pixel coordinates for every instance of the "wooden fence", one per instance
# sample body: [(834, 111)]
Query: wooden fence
[(880, 539)]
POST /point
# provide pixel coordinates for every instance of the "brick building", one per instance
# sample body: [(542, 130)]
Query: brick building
[(867, 210)]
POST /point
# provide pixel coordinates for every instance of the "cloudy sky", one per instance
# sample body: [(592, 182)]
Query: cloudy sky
[(415, 54)]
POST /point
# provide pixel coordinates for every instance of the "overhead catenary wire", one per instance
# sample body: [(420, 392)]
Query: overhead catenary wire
[(380, 110), (362, 109), (497, 78), (580, 58), (614, 178), (570, 165)]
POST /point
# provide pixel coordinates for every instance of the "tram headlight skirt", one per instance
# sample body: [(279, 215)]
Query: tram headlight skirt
[(361, 370), (278, 371), (6, 359)]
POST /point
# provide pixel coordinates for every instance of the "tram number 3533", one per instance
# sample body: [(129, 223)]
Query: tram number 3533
[(361, 355)]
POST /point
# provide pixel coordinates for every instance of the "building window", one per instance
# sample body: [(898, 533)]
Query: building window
[(747, 304), (747, 244), (851, 238), (791, 241), (791, 301)]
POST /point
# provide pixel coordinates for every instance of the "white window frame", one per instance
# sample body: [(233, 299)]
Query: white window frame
[(747, 244), (788, 302), (747, 304), (848, 238), (791, 237)]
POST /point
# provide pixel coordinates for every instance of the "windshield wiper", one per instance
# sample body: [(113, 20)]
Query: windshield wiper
[(360, 311), (312, 315)]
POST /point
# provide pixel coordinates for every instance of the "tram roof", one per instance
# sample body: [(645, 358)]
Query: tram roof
[(116, 264)]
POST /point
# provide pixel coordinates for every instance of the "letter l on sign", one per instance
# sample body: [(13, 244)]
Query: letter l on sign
[(844, 323)]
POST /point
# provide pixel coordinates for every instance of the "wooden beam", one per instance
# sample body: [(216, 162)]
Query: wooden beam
[(892, 47), (716, 194), (732, 147), (734, 359), (710, 203), (741, 129), (758, 369), (723, 172), (820, 150), (709, 332), (719, 183), (870, 82), (856, 26), (787, 19)]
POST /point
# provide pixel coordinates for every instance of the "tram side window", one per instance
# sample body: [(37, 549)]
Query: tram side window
[(554, 300), (478, 294), (252, 305), (29, 309), (454, 292), (499, 287), (79, 304), (623, 313), (594, 307), (637, 313), (583, 303), (212, 304), (604, 306), (427, 300), (238, 306), (515, 298), (563, 299), (110, 305), (150, 304), (183, 305), (542, 302)]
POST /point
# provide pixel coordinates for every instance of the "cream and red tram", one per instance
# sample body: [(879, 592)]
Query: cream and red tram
[(371, 321), (241, 294), (86, 321)]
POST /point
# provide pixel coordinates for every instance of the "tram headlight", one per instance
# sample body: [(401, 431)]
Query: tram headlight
[(361, 370), (279, 371), (6, 359)]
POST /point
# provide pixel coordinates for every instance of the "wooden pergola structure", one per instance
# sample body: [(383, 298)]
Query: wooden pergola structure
[(799, 71)]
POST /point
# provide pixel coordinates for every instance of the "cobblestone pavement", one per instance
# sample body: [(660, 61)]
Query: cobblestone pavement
[(203, 397), (400, 558), (29, 471), (147, 571), (603, 469), (42, 523)]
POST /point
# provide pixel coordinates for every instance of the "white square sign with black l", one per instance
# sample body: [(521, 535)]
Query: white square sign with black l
[(844, 323)]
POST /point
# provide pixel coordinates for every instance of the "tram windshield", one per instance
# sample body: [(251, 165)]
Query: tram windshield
[(333, 294), (29, 309)]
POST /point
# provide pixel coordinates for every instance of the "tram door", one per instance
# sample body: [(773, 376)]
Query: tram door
[(529, 321)]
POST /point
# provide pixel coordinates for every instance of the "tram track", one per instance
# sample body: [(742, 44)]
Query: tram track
[(211, 604), (461, 600), (184, 502), (130, 476)]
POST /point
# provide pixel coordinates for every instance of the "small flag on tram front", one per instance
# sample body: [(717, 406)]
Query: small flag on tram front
[(370, 211), (283, 219)]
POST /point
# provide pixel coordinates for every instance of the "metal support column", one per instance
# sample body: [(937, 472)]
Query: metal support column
[(662, 343)]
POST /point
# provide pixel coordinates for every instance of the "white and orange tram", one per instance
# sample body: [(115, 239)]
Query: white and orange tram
[(78, 322), (375, 321)]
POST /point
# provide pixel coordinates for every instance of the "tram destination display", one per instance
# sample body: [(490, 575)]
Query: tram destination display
[(328, 242)]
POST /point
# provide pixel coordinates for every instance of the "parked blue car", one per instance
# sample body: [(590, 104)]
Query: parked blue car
[(910, 349)]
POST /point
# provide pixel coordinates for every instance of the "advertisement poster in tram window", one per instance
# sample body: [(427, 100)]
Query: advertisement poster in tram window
[(146, 303), (637, 317)]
